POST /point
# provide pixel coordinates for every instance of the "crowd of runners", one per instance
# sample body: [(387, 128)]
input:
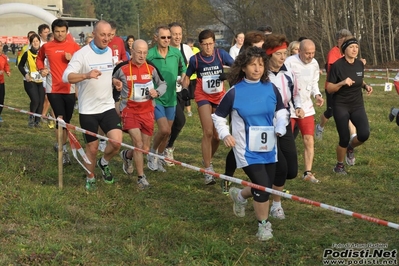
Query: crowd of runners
[(126, 86)]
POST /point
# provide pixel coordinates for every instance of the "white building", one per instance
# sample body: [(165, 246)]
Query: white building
[(19, 24)]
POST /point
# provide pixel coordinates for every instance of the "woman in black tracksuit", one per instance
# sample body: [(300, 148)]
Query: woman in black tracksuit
[(345, 82), (33, 82)]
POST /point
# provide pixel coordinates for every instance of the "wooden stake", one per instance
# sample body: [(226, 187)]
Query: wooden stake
[(60, 148)]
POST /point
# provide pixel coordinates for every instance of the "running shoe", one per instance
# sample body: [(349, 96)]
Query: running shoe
[(265, 231), (169, 155), (161, 163), (31, 121), (106, 172), (308, 176), (189, 114), (142, 182), (238, 206), (339, 169), (102, 144), (65, 158), (319, 132), (152, 162), (225, 185), (127, 165), (391, 117), (350, 156), (1, 120), (208, 178), (90, 184), (277, 213)]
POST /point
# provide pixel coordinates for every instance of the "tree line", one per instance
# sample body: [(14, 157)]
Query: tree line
[(375, 23)]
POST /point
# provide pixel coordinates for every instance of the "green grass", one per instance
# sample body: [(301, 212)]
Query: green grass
[(180, 221)]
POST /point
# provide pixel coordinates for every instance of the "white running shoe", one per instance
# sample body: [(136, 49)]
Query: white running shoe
[(265, 231), (127, 165), (319, 132), (238, 206), (168, 153), (101, 145), (143, 183), (161, 163), (277, 213), (152, 162), (209, 179)]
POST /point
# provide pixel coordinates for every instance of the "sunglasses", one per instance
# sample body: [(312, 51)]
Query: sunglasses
[(164, 37)]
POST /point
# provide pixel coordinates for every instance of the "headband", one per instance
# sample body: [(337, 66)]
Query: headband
[(348, 42), (270, 51)]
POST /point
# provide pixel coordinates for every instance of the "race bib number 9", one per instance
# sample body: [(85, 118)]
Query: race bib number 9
[(261, 138), (212, 84), (141, 92)]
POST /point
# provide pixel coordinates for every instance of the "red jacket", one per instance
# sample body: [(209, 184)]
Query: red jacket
[(117, 46), (4, 67)]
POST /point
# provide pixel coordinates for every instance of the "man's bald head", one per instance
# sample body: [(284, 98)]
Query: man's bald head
[(102, 34), (307, 50), (140, 44), (140, 51)]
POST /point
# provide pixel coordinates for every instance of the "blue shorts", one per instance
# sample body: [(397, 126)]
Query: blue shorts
[(203, 102), (162, 111)]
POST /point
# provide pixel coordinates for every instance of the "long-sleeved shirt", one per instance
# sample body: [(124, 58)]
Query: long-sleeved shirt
[(307, 76), (4, 67)]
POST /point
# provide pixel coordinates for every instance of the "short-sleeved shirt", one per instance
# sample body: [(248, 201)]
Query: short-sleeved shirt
[(333, 55), (55, 51), (347, 95), (95, 95)]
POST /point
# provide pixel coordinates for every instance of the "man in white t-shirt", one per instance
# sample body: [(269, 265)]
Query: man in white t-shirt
[(306, 70), (92, 68)]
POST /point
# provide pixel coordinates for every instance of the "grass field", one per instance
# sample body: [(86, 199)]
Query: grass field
[(179, 220)]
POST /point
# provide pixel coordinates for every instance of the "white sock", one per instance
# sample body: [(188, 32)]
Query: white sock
[(240, 197), (103, 161), (276, 204)]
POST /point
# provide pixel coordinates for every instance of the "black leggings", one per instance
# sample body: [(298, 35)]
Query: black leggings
[(2, 95), (329, 111), (191, 91), (35, 92), (179, 122), (263, 175), (358, 117), (287, 165)]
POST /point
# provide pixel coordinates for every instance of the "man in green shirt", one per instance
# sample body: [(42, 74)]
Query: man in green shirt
[(170, 64)]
